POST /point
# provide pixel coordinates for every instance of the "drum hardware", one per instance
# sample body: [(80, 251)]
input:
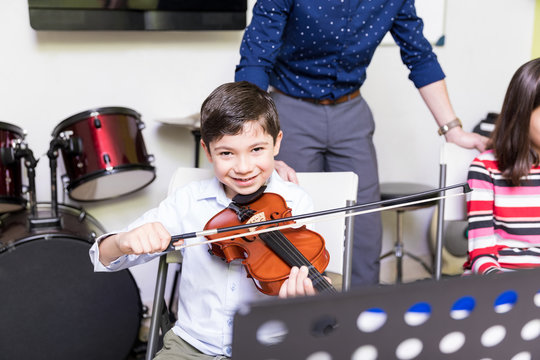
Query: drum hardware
[(73, 146)]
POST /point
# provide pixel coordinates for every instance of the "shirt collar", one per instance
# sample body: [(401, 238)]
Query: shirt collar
[(214, 189)]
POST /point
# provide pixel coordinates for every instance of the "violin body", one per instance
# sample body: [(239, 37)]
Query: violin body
[(268, 257)]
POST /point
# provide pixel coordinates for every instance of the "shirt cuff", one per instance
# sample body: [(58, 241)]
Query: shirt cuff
[(94, 256), (254, 74), (427, 74)]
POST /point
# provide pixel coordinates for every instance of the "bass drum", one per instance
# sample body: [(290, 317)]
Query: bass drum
[(53, 304), (107, 155)]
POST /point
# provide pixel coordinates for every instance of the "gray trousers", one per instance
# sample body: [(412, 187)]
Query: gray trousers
[(338, 138), (175, 348)]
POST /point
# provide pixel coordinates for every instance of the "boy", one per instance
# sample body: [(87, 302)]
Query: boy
[(240, 137)]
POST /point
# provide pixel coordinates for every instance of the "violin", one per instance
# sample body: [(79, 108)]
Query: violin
[(269, 256), (275, 216)]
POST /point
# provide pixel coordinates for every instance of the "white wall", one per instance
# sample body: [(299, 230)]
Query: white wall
[(46, 77)]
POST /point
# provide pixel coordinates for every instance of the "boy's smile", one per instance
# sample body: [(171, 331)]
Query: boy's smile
[(243, 162)]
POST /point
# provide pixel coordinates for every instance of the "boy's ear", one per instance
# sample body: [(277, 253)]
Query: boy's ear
[(206, 151), (277, 142)]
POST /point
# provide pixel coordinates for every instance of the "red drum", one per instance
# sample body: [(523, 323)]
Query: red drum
[(11, 198), (112, 160), (54, 306)]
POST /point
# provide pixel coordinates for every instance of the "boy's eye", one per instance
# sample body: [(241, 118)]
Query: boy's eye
[(259, 148), (225, 153)]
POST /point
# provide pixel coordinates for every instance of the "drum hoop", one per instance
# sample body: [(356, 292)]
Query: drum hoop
[(118, 110), (13, 200), (39, 236), (117, 169), (13, 128), (68, 209)]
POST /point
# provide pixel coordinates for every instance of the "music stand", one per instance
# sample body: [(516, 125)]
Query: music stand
[(503, 321)]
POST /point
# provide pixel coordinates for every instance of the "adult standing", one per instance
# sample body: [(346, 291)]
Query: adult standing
[(312, 56)]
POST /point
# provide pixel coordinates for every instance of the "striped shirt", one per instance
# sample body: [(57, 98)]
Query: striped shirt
[(504, 220)]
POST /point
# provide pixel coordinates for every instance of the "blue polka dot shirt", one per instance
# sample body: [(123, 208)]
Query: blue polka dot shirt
[(321, 48)]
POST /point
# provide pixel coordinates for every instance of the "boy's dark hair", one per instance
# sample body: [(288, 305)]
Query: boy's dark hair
[(231, 105), (511, 140)]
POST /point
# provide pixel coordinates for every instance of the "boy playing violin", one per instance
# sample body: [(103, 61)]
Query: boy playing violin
[(240, 136)]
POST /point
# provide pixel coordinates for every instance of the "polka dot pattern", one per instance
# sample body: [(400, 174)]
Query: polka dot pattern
[(321, 48)]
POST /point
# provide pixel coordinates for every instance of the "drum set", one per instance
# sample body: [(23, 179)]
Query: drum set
[(53, 305)]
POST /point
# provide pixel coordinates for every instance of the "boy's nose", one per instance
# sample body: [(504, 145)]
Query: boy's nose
[(243, 165)]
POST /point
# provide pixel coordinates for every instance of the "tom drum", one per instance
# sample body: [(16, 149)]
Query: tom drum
[(11, 198), (109, 158)]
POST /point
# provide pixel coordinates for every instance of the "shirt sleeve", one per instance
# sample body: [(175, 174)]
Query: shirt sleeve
[(416, 51), (483, 254), (262, 41), (167, 213)]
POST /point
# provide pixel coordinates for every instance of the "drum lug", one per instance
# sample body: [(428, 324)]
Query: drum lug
[(107, 160), (66, 135), (65, 181), (141, 125), (150, 158), (97, 123)]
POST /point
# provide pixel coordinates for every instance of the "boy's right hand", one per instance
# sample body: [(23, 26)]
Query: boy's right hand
[(146, 239)]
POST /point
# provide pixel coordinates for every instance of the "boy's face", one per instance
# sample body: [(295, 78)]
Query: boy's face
[(243, 162)]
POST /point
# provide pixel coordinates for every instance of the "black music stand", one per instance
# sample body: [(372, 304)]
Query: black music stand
[(335, 327)]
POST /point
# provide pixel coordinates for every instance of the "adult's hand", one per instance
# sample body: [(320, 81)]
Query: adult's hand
[(286, 172), (467, 140)]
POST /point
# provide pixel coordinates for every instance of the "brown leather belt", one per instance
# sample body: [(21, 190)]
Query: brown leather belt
[(339, 100)]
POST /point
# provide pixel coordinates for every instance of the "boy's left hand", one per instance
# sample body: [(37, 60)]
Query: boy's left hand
[(298, 284)]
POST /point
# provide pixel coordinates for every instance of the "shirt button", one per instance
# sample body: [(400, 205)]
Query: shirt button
[(228, 351)]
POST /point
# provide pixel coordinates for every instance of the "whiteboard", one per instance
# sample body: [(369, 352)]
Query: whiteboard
[(433, 12)]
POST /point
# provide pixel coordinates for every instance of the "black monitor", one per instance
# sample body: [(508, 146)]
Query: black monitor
[(137, 14)]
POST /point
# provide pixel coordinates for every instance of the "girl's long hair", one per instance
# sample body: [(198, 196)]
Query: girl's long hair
[(510, 140)]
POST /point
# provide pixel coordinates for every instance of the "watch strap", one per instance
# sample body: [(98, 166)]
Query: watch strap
[(450, 125)]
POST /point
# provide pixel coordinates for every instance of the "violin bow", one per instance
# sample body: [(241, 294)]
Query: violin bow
[(323, 215)]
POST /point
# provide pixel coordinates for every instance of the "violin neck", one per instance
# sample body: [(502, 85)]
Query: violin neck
[(279, 243)]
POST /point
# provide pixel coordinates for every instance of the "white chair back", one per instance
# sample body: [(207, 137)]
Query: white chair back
[(331, 190)]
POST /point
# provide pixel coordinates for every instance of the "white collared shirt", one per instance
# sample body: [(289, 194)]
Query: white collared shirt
[(211, 290)]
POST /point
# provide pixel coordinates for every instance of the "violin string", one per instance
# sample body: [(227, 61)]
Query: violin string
[(311, 220), (319, 281), (295, 257)]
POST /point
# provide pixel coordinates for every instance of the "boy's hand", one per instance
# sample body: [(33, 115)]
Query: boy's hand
[(298, 284), (146, 239)]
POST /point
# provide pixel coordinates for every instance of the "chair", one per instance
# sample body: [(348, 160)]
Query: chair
[(337, 233)]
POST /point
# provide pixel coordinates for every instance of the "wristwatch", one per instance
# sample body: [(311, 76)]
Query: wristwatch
[(452, 124)]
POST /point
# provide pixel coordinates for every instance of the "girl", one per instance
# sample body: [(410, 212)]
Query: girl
[(504, 206)]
